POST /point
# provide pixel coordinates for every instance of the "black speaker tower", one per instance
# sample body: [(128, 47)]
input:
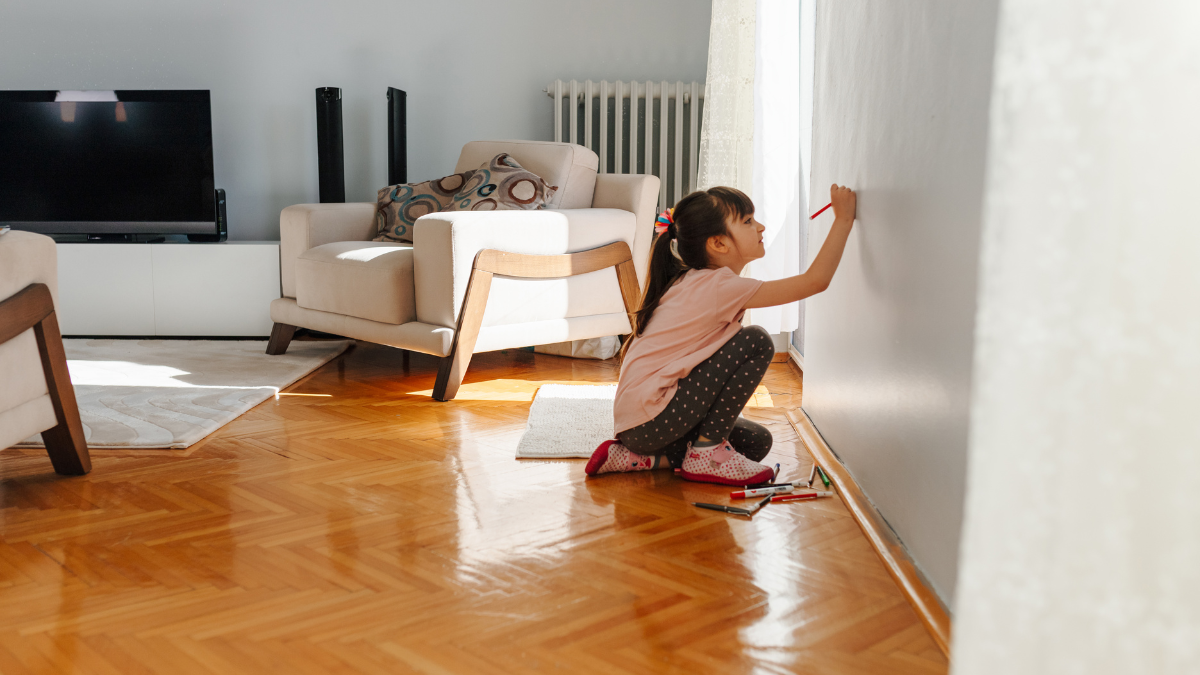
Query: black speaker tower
[(331, 164), (397, 136), (222, 222)]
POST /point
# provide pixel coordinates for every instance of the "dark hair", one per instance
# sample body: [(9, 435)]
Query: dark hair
[(697, 217)]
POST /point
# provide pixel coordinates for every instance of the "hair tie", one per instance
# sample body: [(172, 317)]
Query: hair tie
[(664, 221)]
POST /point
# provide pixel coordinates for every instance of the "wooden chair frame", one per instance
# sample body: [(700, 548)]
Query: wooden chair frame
[(33, 307), (488, 263)]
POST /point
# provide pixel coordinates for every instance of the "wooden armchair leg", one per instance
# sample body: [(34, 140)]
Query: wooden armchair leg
[(454, 367), (281, 337), (630, 292), (443, 388), (520, 265), (65, 442), (33, 307)]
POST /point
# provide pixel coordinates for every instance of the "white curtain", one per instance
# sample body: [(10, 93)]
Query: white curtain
[(1081, 540), (808, 60), (727, 132), (751, 133), (776, 192)]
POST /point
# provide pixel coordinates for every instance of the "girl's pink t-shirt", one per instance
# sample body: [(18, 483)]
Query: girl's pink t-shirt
[(694, 319)]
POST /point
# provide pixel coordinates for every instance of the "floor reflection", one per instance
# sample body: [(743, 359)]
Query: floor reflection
[(501, 389), (770, 552), (369, 529), (510, 514)]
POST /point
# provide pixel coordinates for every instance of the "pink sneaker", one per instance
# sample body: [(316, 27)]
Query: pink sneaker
[(724, 465), (612, 457)]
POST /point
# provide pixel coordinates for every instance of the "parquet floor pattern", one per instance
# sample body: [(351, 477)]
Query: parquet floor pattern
[(353, 525)]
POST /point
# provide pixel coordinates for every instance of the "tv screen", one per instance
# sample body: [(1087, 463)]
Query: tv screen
[(107, 162)]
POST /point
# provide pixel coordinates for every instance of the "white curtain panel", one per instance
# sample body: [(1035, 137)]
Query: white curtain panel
[(808, 59), (727, 132), (776, 178), (1081, 542), (751, 133)]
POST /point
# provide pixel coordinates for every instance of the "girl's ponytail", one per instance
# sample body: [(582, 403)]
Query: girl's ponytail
[(694, 220), (664, 270)]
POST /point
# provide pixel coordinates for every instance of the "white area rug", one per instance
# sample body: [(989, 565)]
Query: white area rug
[(172, 393), (567, 420)]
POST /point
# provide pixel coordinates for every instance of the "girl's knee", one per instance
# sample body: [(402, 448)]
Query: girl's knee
[(758, 338), (763, 439)]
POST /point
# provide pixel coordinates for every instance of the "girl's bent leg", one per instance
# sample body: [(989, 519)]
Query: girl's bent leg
[(734, 372), (749, 438), (715, 458), (709, 400)]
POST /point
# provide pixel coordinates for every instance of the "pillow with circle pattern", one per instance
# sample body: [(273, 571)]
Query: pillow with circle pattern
[(399, 206), (501, 184)]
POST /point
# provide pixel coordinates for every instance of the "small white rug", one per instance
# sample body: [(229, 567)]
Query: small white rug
[(567, 420), (172, 393)]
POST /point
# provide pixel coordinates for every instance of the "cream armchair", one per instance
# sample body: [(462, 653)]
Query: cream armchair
[(474, 281), (35, 388)]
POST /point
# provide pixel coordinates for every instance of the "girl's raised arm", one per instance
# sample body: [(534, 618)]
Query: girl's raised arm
[(818, 275)]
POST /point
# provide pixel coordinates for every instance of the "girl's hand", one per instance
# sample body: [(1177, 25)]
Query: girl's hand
[(845, 202), (820, 272)]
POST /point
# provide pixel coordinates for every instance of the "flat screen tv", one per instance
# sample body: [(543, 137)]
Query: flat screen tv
[(107, 162)]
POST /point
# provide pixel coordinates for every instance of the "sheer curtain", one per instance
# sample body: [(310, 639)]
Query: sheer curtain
[(751, 133), (727, 132)]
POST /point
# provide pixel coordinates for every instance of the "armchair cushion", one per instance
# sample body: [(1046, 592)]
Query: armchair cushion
[(502, 184), (365, 279), (445, 246), (306, 226), (571, 167), (399, 206)]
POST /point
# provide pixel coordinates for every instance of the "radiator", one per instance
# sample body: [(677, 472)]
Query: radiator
[(635, 127)]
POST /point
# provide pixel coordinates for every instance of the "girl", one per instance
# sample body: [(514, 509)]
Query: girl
[(689, 367)]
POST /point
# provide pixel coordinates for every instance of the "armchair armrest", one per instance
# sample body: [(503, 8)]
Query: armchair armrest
[(445, 246), (306, 226), (637, 194)]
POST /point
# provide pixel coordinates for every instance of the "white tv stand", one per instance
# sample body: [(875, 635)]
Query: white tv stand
[(169, 289)]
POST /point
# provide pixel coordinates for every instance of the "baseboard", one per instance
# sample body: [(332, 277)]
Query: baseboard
[(797, 358), (891, 550)]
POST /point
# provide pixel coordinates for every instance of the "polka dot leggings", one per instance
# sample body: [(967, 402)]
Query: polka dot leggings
[(708, 402)]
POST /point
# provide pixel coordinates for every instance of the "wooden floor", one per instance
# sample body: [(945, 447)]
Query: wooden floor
[(353, 525)]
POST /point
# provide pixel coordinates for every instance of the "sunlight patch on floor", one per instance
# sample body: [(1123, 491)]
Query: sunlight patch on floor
[(761, 398), (502, 390), (129, 374), (524, 390)]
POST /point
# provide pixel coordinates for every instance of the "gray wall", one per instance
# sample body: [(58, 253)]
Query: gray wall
[(473, 69), (902, 92)]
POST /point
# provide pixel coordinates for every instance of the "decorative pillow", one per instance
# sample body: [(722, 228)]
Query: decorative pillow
[(501, 184), (399, 206)]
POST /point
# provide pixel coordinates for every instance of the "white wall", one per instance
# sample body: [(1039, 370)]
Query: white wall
[(472, 68), (1087, 351), (901, 91)]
